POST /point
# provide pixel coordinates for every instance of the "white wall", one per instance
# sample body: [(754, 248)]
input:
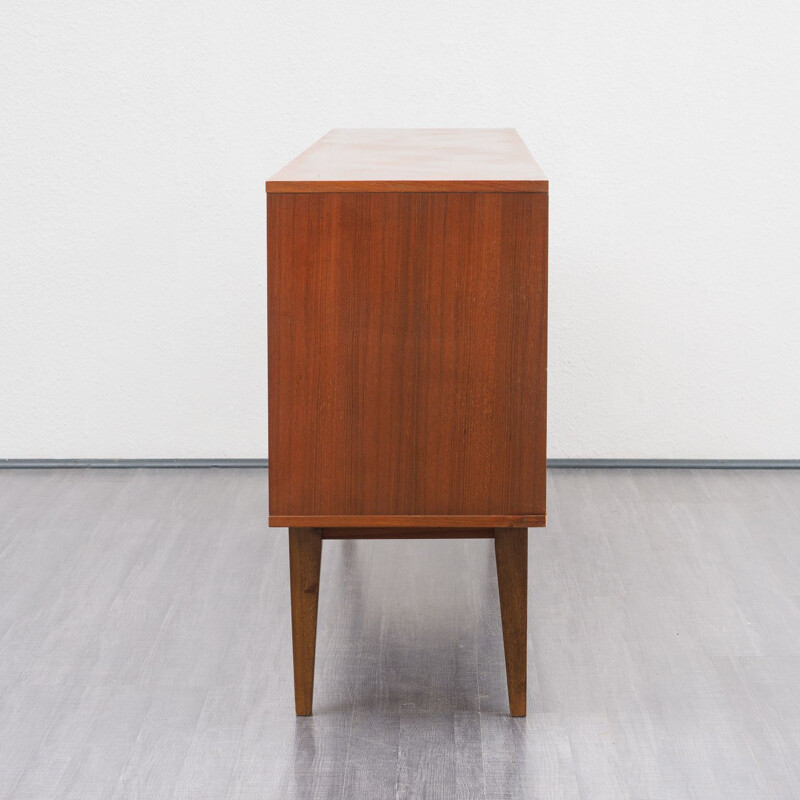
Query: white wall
[(135, 138)]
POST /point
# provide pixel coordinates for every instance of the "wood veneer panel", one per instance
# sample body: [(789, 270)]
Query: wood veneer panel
[(407, 356), (428, 160)]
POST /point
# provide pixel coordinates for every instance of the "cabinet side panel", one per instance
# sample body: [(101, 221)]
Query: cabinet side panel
[(407, 353)]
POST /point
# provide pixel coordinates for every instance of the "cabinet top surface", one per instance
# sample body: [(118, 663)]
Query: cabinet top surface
[(425, 160)]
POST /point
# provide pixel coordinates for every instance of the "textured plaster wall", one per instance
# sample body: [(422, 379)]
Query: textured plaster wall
[(135, 138)]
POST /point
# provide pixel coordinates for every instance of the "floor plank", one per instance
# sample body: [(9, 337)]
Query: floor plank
[(145, 646)]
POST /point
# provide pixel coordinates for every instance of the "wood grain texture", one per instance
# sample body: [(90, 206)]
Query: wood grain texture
[(427, 160), (511, 554), (305, 560), (407, 357)]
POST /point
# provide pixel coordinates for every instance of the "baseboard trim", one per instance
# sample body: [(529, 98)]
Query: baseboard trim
[(673, 463), (131, 463), (263, 463)]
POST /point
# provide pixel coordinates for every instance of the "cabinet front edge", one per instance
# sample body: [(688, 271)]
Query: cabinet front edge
[(313, 187)]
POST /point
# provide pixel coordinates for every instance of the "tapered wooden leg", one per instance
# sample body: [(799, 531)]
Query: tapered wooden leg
[(305, 558), (511, 552)]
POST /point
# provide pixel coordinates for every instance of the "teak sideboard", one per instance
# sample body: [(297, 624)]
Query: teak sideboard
[(407, 324)]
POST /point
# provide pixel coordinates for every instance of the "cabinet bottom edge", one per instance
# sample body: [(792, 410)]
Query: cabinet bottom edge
[(409, 521)]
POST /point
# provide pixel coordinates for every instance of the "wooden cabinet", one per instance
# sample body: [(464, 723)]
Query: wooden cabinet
[(407, 315)]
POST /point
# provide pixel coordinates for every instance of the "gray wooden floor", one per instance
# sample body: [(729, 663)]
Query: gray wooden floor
[(145, 648)]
